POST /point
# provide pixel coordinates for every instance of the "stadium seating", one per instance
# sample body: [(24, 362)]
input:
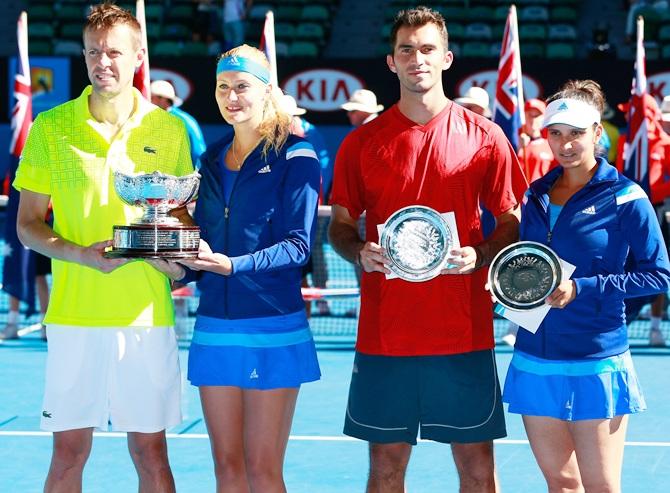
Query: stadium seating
[(303, 49), (478, 31), (546, 27), (560, 50), (166, 48), (68, 48), (562, 32), (40, 30), (475, 49), (39, 47)]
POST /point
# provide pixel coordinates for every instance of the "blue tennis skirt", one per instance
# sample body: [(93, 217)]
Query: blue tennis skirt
[(573, 390), (253, 353)]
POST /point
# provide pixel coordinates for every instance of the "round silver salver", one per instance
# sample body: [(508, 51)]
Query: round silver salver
[(417, 240), (523, 274)]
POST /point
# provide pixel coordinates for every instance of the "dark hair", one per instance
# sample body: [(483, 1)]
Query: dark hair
[(418, 17), (105, 16), (586, 90)]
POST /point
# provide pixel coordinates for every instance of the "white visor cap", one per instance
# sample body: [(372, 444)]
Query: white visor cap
[(573, 112)]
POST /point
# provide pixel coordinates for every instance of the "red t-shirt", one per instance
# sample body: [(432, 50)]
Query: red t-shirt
[(536, 159), (452, 163)]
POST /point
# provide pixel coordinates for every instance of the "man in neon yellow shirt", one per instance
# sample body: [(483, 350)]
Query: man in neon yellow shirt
[(112, 350)]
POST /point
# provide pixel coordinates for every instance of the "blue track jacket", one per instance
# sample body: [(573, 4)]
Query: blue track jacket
[(595, 231), (266, 229)]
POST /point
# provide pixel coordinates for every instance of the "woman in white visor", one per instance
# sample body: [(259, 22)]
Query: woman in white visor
[(573, 380)]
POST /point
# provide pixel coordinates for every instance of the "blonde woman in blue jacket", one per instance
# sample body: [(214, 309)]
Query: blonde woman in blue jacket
[(252, 347), (573, 380)]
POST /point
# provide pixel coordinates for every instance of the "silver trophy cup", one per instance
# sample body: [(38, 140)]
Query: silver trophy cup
[(156, 234)]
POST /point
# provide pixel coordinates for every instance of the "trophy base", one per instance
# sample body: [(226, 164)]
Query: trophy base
[(155, 241), (127, 253)]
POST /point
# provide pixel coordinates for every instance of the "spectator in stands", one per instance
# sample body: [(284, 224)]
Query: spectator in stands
[(573, 380), (612, 132), (475, 99), (206, 22), (424, 352), (362, 107), (252, 347), (112, 351), (665, 114), (234, 17), (534, 153), (164, 96), (302, 128), (659, 185), (316, 265), (42, 269)]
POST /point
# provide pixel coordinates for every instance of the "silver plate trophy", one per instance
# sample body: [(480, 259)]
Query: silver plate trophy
[(417, 240), (523, 274), (156, 234)]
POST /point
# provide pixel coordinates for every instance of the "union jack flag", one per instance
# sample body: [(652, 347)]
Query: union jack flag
[(141, 80), (268, 46), (508, 104), (22, 113), (636, 147), (18, 272)]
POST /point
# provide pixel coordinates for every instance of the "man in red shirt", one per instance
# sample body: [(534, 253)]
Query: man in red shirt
[(535, 155), (424, 354)]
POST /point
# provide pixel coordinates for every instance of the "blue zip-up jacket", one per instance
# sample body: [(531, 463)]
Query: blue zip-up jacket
[(595, 231), (266, 229)]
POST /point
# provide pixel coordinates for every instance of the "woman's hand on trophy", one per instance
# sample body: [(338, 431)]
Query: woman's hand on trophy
[(562, 295), (209, 261), (168, 267), (93, 256)]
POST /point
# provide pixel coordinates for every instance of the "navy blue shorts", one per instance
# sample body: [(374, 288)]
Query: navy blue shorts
[(450, 398)]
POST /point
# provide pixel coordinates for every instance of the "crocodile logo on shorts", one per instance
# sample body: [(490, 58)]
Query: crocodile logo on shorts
[(46, 414)]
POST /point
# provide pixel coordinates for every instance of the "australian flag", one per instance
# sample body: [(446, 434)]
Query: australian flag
[(18, 271), (636, 147), (508, 104)]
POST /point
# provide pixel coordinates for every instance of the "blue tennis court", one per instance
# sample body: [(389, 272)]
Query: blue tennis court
[(319, 457)]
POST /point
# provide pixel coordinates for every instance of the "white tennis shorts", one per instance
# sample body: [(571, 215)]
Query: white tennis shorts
[(127, 376)]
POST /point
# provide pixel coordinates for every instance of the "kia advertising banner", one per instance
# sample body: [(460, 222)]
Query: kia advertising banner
[(321, 86)]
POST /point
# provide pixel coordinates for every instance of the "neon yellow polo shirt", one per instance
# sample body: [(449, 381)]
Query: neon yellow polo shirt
[(66, 158)]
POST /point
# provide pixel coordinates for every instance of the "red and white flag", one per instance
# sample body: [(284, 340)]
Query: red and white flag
[(142, 80), (508, 105), (22, 112), (636, 147), (268, 46)]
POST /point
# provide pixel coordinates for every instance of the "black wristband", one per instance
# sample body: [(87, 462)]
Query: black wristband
[(479, 261)]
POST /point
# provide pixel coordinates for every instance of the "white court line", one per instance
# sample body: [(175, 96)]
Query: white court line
[(295, 438)]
